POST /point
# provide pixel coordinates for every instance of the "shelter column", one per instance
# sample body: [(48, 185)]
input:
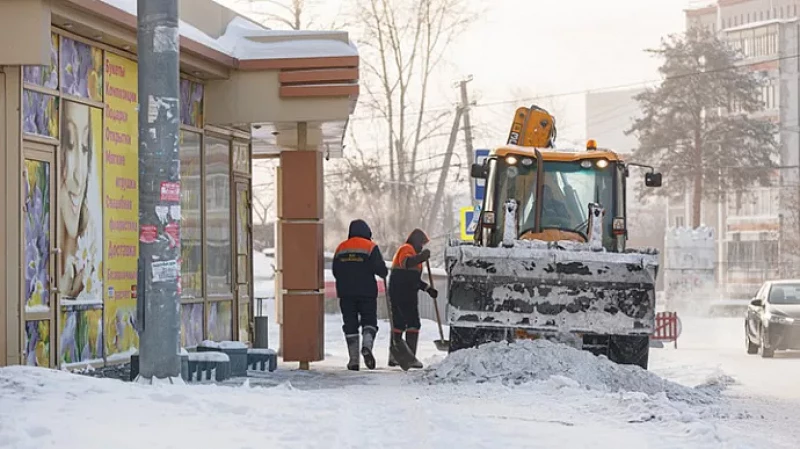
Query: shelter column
[(300, 252)]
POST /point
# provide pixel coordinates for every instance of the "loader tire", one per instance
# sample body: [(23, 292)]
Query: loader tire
[(472, 337), (629, 350)]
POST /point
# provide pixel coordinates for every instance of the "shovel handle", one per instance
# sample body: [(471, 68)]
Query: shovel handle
[(435, 301)]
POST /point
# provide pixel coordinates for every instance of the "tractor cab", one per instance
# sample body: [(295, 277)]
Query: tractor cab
[(553, 193)]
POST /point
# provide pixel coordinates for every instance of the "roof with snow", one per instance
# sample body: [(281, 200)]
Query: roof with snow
[(244, 39)]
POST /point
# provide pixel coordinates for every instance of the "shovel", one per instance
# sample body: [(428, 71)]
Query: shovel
[(397, 346), (441, 344)]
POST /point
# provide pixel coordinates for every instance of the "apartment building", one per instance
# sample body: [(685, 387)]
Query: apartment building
[(751, 223)]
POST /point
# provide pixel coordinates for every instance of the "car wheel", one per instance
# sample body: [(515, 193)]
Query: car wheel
[(752, 348), (766, 353)]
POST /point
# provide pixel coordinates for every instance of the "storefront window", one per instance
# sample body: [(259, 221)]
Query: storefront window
[(191, 103), (191, 218), (220, 320), (191, 325), (241, 157), (218, 216), (36, 346), (80, 219), (40, 114), (81, 70), (44, 76)]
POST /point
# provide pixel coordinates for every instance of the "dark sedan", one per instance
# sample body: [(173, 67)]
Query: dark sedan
[(772, 322)]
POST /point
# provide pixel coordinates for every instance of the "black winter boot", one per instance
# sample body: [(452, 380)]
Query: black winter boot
[(352, 350), (366, 346), (412, 338)]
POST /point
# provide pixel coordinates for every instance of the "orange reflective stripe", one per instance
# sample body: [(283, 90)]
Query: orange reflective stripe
[(403, 253), (356, 245)]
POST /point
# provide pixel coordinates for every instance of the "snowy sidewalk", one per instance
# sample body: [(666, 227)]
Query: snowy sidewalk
[(562, 399), (48, 409)]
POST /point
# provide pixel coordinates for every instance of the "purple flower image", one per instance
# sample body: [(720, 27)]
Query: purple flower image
[(220, 321), (81, 70), (37, 234), (192, 324), (45, 76), (191, 103), (37, 343), (39, 114)]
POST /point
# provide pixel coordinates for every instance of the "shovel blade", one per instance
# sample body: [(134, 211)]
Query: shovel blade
[(442, 345), (402, 353)]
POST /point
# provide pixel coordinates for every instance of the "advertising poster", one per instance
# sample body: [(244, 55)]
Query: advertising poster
[(80, 234), (121, 205), (80, 225)]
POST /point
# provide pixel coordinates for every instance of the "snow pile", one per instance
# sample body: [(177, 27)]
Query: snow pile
[(541, 360), (223, 344)]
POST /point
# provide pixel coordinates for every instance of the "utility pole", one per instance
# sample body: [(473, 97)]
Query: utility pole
[(158, 299), (465, 105), (437, 198)]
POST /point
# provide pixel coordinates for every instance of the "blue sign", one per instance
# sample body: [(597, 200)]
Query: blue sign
[(480, 184), (469, 221)]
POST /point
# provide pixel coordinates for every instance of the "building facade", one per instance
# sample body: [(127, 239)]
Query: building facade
[(69, 131), (752, 223)]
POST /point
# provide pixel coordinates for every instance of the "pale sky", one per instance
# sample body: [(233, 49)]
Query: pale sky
[(540, 47), (554, 47)]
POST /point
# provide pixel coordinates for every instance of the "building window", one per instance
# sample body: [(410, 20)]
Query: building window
[(191, 103), (81, 70), (218, 216), (191, 216), (679, 222)]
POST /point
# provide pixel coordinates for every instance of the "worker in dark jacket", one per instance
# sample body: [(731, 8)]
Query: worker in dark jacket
[(356, 263), (404, 286)]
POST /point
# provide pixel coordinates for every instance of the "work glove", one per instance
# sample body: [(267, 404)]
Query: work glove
[(433, 292), (425, 254)]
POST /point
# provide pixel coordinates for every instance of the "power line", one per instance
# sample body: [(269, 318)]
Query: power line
[(588, 91)]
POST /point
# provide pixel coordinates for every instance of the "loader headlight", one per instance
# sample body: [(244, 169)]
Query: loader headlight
[(511, 160), (602, 163)]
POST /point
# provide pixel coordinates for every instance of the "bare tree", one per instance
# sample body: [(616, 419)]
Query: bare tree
[(294, 14), (403, 44), (263, 204)]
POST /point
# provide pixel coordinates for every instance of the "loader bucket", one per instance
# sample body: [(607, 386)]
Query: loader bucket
[(551, 288)]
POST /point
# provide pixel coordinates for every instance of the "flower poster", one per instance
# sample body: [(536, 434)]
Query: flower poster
[(36, 235), (81, 339), (39, 114), (44, 76), (81, 70), (121, 204), (80, 219)]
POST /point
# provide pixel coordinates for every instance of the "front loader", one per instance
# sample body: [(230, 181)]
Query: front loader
[(549, 258)]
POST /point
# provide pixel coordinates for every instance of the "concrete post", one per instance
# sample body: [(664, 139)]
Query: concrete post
[(159, 191)]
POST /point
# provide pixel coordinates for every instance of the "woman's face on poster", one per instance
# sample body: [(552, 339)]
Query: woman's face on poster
[(75, 169)]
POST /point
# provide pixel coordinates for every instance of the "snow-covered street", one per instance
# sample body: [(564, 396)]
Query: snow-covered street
[(744, 401)]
